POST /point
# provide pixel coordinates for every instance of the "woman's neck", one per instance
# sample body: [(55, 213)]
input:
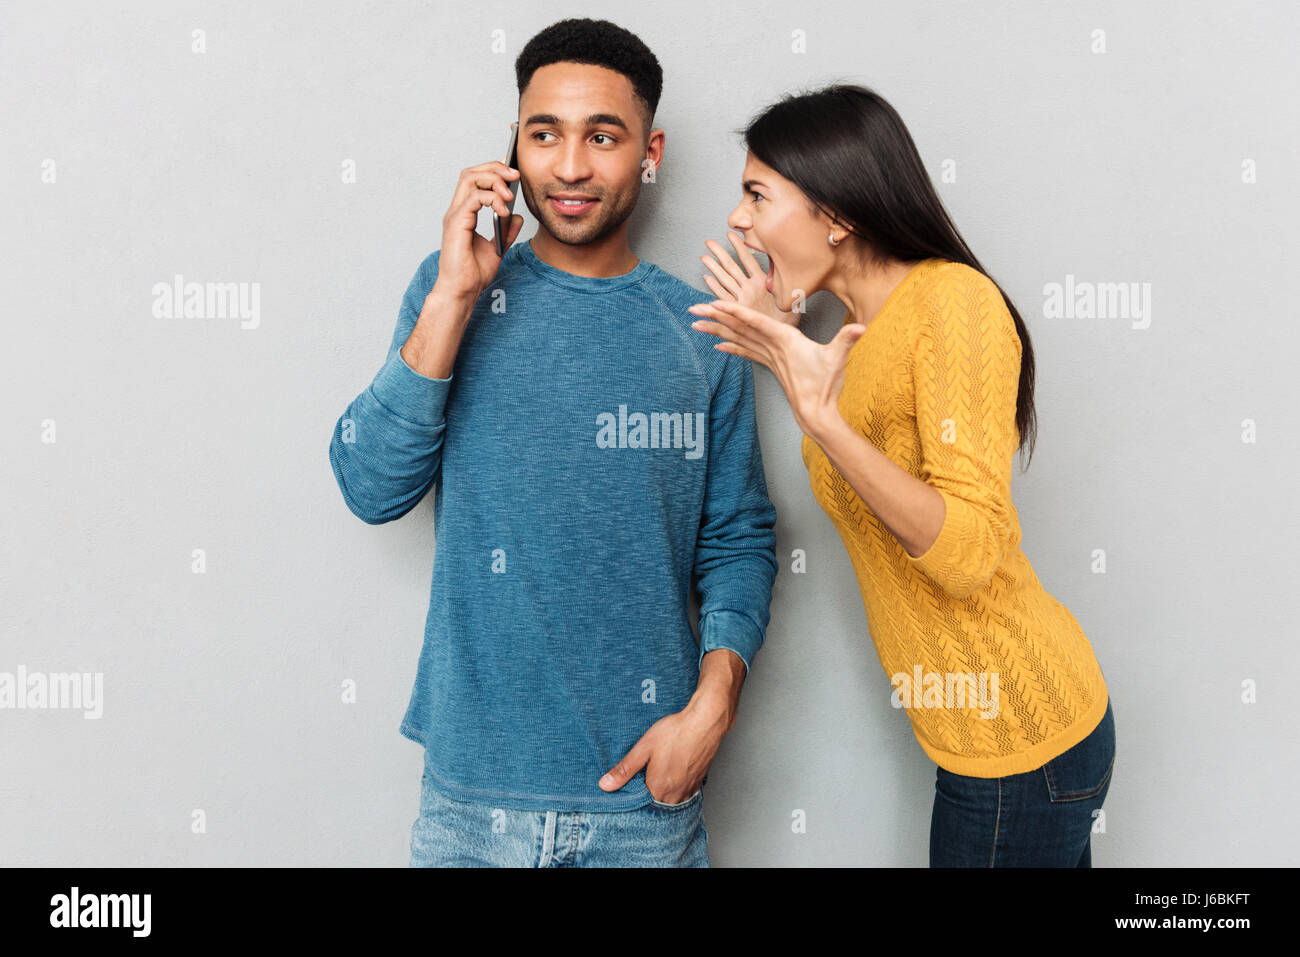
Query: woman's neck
[(864, 293)]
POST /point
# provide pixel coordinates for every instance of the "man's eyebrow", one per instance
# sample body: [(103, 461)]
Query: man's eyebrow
[(596, 119)]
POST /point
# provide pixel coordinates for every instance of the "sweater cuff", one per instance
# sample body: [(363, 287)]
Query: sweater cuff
[(410, 395), (943, 560), (731, 630)]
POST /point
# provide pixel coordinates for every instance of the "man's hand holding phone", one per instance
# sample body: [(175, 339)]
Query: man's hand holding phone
[(467, 264)]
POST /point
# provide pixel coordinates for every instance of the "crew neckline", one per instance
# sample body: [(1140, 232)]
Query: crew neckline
[(896, 293), (596, 284)]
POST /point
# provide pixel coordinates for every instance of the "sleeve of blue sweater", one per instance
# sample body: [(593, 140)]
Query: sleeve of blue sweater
[(387, 446), (735, 553)]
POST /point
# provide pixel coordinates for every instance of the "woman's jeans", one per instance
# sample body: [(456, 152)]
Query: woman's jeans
[(453, 833), (1042, 818)]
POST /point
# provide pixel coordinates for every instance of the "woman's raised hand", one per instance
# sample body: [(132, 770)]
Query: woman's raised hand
[(748, 285), (811, 374)]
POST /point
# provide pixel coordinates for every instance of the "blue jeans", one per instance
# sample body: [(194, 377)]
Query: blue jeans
[(1042, 818), (453, 833)]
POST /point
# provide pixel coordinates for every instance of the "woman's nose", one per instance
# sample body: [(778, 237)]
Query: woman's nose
[(738, 220)]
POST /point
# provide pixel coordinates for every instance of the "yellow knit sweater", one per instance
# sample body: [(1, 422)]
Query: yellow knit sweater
[(932, 384)]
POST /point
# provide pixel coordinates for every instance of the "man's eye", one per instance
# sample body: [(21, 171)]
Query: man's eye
[(606, 136)]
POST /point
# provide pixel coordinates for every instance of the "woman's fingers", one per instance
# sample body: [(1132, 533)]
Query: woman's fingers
[(727, 326), (746, 256), (844, 341), (725, 277), (740, 350), (724, 257), (729, 333), (715, 287), (742, 317)]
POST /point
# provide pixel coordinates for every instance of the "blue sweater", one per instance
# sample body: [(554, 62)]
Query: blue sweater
[(591, 456)]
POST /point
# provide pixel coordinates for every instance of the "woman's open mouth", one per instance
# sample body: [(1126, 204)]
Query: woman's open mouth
[(570, 207), (771, 267)]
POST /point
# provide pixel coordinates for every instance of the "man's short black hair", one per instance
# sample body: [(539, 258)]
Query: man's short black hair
[(601, 43)]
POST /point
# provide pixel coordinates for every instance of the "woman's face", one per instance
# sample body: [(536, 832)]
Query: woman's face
[(775, 218)]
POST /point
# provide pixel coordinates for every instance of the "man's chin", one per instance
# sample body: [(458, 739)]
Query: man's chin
[(572, 235)]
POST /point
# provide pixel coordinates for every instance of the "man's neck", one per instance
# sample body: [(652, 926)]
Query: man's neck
[(599, 260)]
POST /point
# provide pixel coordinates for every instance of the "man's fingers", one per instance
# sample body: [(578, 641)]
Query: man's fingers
[(492, 182), (492, 166), (485, 197), (625, 770), (516, 224), (490, 187), (486, 176)]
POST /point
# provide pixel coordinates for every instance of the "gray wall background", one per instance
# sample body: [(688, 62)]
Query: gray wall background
[(222, 690)]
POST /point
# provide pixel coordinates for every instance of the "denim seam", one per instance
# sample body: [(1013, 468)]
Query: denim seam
[(997, 821), (677, 807), (575, 836), (548, 838)]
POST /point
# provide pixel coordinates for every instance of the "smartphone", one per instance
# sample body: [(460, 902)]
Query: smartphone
[(501, 227)]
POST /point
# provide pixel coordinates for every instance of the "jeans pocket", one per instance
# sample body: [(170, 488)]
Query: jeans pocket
[(1083, 772), (677, 807)]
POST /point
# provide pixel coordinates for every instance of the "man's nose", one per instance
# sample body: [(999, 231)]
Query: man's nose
[(571, 165)]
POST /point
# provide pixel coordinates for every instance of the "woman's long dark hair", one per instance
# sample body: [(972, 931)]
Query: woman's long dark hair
[(851, 154)]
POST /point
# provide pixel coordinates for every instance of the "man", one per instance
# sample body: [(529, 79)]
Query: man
[(590, 454)]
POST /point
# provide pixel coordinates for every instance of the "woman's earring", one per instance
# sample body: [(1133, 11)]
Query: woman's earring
[(832, 240)]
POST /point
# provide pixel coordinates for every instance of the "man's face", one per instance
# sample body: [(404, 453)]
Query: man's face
[(582, 137)]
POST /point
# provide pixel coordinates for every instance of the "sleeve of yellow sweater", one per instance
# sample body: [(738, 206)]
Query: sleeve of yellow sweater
[(966, 371)]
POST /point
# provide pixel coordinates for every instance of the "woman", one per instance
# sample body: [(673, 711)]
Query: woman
[(911, 419)]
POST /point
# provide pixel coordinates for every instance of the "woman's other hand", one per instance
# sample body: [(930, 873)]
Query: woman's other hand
[(811, 374), (747, 285)]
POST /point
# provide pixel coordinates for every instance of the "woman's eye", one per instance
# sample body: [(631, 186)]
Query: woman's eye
[(755, 195)]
